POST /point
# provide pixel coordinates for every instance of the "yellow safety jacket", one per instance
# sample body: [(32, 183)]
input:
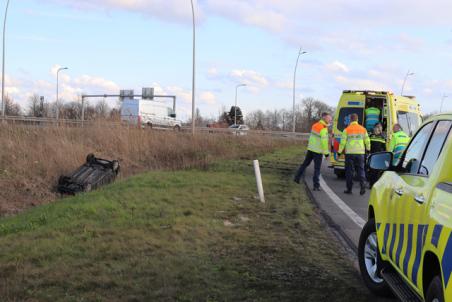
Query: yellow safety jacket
[(355, 139), (398, 144), (318, 140), (372, 118)]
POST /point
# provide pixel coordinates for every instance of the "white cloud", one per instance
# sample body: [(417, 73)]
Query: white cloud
[(361, 84), (326, 11), (255, 13), (208, 97), (284, 84), (277, 16), (181, 93), (212, 72), (253, 79), (168, 10), (20, 89), (337, 66), (346, 24), (97, 83)]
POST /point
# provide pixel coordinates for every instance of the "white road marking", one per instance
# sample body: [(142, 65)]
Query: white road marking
[(342, 205)]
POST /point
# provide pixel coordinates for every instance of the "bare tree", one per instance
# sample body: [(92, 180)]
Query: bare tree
[(71, 110), (102, 109), (12, 108), (307, 112), (33, 105)]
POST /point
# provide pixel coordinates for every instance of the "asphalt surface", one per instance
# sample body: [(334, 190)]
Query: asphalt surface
[(346, 213)]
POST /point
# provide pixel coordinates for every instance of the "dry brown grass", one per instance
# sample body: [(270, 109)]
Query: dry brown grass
[(32, 158)]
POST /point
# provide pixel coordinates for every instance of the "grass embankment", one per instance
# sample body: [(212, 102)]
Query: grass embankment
[(32, 159), (193, 235)]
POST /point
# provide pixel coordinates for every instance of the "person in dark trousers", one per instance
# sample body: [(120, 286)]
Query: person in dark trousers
[(355, 142), (377, 140), (317, 148), (377, 144)]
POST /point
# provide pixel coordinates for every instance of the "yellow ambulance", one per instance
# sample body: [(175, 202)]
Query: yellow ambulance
[(404, 110)]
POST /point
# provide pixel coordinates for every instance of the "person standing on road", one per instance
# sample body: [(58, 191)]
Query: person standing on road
[(399, 142), (317, 148), (377, 144), (355, 142)]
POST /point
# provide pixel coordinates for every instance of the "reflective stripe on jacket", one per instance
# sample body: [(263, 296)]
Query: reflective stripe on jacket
[(355, 140), (398, 144), (318, 140), (372, 118)]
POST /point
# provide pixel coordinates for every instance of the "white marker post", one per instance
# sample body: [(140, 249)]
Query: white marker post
[(260, 188)]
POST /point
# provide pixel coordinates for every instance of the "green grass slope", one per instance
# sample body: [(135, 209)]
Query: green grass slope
[(192, 235)]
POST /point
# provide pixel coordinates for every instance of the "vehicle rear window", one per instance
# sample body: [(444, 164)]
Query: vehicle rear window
[(409, 121), (344, 117)]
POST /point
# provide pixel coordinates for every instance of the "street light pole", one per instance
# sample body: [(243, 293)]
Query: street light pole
[(194, 71), (442, 101), (3, 60), (235, 107), (57, 92), (404, 81), (301, 52)]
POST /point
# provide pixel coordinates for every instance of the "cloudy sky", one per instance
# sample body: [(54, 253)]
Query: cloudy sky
[(128, 44)]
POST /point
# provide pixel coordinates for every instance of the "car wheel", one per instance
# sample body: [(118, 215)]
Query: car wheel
[(435, 291), (149, 125), (370, 263), (176, 128), (115, 167), (90, 158)]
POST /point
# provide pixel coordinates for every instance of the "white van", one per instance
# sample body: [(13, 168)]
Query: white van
[(149, 113)]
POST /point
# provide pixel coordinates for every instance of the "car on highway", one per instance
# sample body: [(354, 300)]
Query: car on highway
[(239, 129), (406, 244), (404, 110)]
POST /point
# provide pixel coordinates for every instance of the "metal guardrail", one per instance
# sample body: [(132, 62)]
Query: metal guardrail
[(43, 122), (296, 135)]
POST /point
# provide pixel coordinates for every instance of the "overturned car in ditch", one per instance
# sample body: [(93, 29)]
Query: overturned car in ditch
[(95, 173)]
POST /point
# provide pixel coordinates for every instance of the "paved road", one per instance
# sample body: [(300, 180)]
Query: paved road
[(347, 213)]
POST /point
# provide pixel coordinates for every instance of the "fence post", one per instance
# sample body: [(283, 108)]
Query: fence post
[(260, 188)]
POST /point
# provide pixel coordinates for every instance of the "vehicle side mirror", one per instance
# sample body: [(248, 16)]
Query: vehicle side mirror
[(380, 161)]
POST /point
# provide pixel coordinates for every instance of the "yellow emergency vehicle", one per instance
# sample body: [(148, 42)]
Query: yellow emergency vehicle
[(394, 109), (406, 244)]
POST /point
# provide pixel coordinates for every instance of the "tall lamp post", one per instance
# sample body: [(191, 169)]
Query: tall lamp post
[(3, 60), (57, 92), (301, 52), (442, 102), (404, 81), (235, 108), (194, 71)]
